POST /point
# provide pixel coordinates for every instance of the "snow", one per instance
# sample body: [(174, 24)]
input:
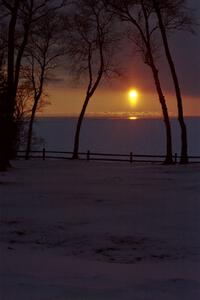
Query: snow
[(75, 230)]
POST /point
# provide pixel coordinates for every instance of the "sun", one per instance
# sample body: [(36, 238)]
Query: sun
[(133, 96)]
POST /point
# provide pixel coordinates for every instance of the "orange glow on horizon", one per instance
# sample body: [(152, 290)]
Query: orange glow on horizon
[(114, 102)]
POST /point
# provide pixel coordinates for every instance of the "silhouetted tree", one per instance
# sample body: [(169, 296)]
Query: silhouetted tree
[(139, 15), (90, 47), (20, 17), (2, 73), (43, 53), (7, 127), (172, 14), (3, 89)]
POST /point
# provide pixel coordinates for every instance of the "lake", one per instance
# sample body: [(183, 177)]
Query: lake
[(112, 135)]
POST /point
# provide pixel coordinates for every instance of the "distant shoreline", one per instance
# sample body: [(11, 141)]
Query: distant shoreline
[(127, 117)]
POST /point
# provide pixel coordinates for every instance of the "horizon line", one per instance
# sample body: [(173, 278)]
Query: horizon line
[(123, 115)]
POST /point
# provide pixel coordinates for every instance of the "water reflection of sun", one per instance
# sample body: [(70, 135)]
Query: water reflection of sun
[(133, 118)]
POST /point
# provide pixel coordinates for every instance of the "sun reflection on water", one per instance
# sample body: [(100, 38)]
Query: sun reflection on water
[(133, 118)]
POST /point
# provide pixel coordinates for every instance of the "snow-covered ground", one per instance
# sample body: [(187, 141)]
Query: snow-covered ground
[(74, 230)]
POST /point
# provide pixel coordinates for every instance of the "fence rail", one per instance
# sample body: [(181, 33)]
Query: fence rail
[(148, 158)]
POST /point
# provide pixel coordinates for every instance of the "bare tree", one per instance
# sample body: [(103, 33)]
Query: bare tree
[(21, 113), (3, 89), (42, 56), (2, 82), (172, 14), (20, 17), (2, 73), (90, 47), (8, 109), (141, 31)]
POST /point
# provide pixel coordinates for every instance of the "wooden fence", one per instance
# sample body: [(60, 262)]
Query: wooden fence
[(44, 154)]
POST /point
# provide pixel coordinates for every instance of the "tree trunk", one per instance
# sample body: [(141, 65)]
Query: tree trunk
[(7, 130), (184, 150), (4, 134), (30, 130), (4, 162), (169, 155), (78, 128), (151, 63)]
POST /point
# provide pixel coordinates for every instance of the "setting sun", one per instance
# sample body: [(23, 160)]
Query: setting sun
[(133, 96)]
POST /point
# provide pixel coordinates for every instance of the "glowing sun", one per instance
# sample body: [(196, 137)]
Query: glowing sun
[(133, 96)]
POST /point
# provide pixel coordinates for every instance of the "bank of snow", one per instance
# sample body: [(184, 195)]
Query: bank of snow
[(89, 230)]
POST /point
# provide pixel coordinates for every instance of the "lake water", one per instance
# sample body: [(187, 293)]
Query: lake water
[(141, 136)]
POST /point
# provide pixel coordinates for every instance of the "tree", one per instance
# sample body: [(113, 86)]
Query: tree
[(173, 11), (139, 15), (3, 89), (43, 52), (91, 41), (2, 74), (20, 17), (7, 128), (2, 81)]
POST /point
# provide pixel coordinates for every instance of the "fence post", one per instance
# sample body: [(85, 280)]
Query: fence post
[(88, 155), (175, 160), (43, 154), (131, 157)]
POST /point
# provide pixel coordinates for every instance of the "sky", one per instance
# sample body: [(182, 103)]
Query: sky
[(112, 98)]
